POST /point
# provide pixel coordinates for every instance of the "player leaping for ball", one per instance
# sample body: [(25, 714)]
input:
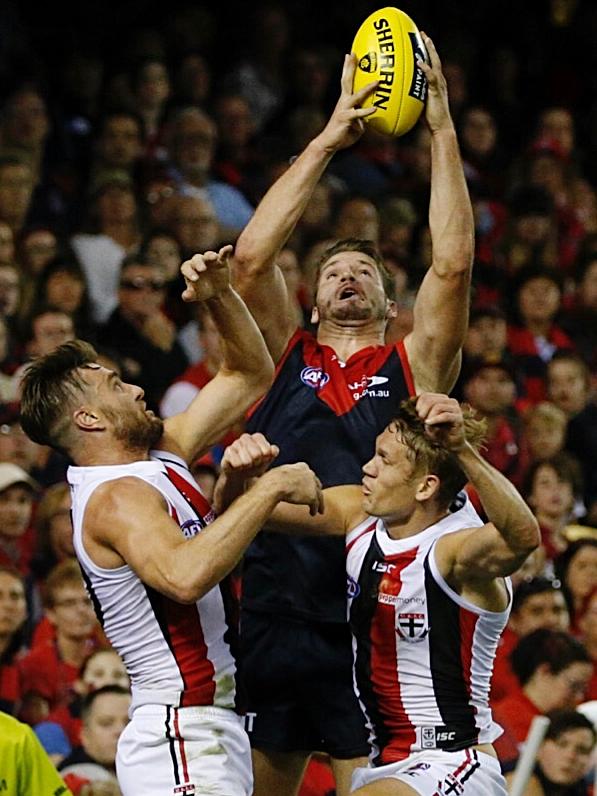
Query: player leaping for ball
[(153, 557), (428, 593), (295, 641)]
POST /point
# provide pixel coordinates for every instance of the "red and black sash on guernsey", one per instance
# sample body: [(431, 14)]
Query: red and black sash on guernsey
[(181, 624), (447, 632)]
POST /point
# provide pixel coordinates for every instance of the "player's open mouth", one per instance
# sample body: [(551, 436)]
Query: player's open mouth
[(348, 293)]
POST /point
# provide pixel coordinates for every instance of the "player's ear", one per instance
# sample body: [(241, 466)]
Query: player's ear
[(391, 309), (86, 419), (428, 487), (314, 315)]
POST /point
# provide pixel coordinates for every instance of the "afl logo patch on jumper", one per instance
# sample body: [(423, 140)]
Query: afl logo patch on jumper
[(352, 587), (314, 377)]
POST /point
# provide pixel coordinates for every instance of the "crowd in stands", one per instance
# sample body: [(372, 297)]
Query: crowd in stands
[(120, 164)]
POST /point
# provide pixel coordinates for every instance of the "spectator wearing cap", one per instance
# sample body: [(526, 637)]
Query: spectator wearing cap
[(569, 387), (534, 336), (140, 332), (537, 603), (113, 232), (17, 535), (490, 388)]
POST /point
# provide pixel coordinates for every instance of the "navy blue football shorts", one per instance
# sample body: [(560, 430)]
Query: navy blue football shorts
[(298, 683)]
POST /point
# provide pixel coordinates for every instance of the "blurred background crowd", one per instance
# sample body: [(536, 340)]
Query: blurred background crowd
[(132, 140)]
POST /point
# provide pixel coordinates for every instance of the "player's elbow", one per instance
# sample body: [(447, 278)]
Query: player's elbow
[(187, 590), (528, 538), (249, 260)]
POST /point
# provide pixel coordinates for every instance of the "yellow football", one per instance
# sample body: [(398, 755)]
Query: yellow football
[(387, 46)]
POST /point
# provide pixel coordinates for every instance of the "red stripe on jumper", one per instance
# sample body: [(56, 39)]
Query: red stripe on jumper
[(187, 641), (384, 664)]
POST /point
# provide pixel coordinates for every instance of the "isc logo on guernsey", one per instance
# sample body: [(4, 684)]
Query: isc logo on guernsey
[(314, 377)]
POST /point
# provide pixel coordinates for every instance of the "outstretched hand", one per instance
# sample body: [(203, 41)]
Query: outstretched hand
[(206, 275), (443, 420), (437, 107), (346, 124)]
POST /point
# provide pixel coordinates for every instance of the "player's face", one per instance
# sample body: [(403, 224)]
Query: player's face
[(122, 406), (389, 479), (350, 290)]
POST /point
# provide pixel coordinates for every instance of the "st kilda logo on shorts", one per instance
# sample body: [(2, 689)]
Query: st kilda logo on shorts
[(368, 63), (411, 626)]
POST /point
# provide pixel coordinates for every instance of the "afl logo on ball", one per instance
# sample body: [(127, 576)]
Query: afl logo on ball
[(314, 377), (368, 63)]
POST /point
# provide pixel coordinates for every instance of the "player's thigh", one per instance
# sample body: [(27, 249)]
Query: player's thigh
[(278, 772), (386, 787), (343, 770)]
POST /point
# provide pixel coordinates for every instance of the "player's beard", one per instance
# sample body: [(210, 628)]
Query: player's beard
[(138, 431), (350, 310)]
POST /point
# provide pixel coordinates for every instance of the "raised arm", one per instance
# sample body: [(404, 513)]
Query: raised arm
[(249, 456), (246, 370), (499, 547), (441, 307), (182, 569), (255, 274)]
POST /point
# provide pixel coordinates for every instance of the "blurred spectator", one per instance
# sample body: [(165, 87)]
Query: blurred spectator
[(554, 671), (26, 768), (568, 381), (17, 535), (7, 244), (194, 223), (487, 335), (536, 603), (119, 143), (192, 80), (530, 238), (13, 614), (550, 488), (114, 231), (259, 77), (105, 715), (151, 90), (534, 337), (587, 625), (557, 124), (16, 191), (51, 669), (36, 247), (484, 164), (544, 431), (104, 667), (54, 529), (62, 285), (236, 157), (139, 331), (576, 568), (356, 217), (580, 321), (564, 758), (489, 387), (191, 143)]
